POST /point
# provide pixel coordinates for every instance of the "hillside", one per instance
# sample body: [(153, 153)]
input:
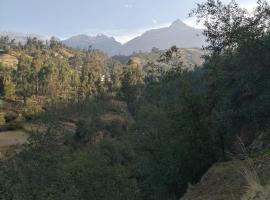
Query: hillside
[(107, 44), (234, 180), (189, 57)]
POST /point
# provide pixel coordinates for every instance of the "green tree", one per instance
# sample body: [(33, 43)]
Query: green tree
[(23, 76), (7, 86), (36, 65), (237, 68), (116, 75), (132, 84), (93, 74)]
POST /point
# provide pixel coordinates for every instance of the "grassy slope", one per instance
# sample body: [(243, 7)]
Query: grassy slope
[(9, 60), (228, 180)]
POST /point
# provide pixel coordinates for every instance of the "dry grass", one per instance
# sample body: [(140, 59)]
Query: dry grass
[(9, 60), (245, 179), (255, 190), (66, 53), (9, 138)]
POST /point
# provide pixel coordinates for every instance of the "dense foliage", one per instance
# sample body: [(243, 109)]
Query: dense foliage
[(176, 124)]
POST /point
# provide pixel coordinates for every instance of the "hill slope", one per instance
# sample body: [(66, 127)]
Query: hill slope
[(179, 34), (102, 42), (190, 57), (234, 180)]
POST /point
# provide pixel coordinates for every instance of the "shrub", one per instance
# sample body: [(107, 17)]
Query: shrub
[(10, 117), (32, 107)]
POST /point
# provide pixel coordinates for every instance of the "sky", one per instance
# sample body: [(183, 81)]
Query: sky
[(122, 19)]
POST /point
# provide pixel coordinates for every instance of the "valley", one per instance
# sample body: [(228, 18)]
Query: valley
[(176, 112)]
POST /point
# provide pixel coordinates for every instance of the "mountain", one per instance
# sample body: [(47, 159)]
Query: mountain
[(101, 42), (178, 34), (22, 37)]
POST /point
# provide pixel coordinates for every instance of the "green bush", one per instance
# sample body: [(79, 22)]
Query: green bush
[(32, 107)]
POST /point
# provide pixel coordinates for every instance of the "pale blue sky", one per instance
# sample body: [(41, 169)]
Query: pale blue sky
[(122, 19)]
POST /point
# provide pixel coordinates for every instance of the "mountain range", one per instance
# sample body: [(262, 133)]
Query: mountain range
[(178, 33)]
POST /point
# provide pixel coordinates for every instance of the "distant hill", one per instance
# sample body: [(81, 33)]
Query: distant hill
[(22, 37), (179, 34), (102, 42), (190, 57)]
